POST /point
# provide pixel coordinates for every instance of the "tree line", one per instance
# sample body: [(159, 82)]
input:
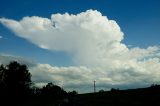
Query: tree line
[(17, 88)]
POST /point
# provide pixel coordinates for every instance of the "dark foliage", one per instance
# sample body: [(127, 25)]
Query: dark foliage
[(53, 92), (73, 93), (101, 91), (114, 89), (15, 88), (15, 81)]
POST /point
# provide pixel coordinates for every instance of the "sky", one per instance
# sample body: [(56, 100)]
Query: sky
[(74, 42)]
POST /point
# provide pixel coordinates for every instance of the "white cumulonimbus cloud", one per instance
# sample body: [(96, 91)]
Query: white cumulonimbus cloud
[(95, 44)]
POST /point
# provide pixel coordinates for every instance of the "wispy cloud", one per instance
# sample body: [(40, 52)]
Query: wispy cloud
[(1, 37), (95, 44)]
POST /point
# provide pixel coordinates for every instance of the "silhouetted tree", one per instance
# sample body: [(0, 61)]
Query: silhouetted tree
[(15, 81), (72, 93), (15, 88), (2, 85), (53, 92), (101, 91), (114, 89)]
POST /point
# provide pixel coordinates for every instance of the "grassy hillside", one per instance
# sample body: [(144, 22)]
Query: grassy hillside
[(133, 97)]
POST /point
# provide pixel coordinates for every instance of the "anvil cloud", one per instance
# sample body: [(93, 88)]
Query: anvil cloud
[(95, 45)]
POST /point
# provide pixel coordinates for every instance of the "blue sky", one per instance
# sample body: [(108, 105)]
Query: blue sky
[(139, 20)]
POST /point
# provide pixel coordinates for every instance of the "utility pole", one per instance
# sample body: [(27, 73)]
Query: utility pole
[(94, 86)]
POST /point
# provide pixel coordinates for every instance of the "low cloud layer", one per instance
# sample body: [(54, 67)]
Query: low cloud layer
[(95, 44), (5, 59)]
